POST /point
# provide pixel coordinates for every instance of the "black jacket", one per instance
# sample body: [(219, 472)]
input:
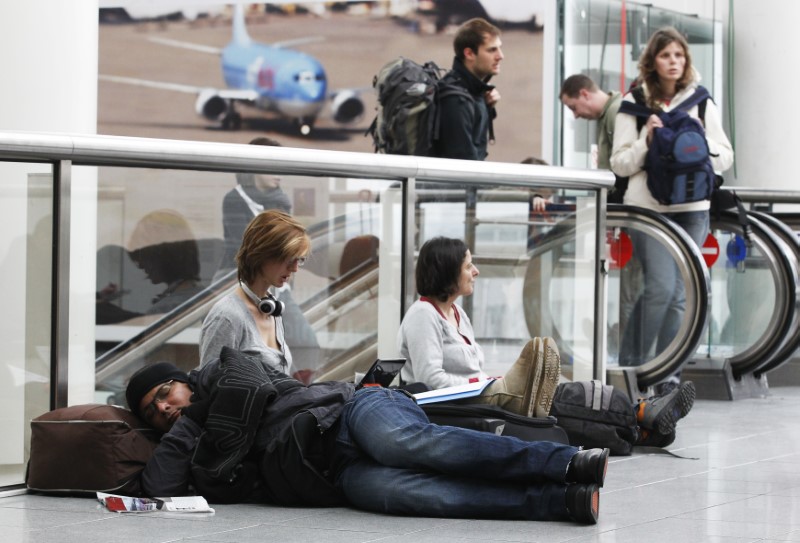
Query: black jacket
[(253, 444), (464, 123)]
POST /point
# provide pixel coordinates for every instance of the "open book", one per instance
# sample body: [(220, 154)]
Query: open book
[(453, 393), (128, 504)]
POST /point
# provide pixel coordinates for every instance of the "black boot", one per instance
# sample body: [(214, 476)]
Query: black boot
[(588, 466), (583, 503)]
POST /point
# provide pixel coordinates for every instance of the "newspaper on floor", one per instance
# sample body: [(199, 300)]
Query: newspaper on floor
[(129, 504)]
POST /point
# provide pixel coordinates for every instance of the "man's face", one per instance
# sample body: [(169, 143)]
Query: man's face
[(162, 404), (265, 182), (582, 106), (487, 60)]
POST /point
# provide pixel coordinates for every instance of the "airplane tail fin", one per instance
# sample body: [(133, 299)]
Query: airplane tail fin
[(240, 35)]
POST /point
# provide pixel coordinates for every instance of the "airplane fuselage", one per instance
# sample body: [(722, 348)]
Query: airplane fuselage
[(288, 81)]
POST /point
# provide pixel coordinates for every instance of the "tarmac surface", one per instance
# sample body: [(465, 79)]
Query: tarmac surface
[(354, 48)]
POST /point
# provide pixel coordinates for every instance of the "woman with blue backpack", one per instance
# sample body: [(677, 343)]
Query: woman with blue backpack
[(670, 142)]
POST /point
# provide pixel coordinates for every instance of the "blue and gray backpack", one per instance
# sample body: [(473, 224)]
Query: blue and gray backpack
[(678, 162)]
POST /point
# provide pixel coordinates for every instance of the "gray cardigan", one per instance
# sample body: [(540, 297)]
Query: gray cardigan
[(436, 354), (229, 323)]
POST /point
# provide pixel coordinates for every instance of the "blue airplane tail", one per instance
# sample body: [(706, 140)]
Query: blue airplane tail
[(240, 35)]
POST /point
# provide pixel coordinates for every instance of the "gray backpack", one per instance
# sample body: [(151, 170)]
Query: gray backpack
[(407, 122), (596, 415)]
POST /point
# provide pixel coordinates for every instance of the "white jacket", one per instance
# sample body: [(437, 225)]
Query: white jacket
[(630, 149)]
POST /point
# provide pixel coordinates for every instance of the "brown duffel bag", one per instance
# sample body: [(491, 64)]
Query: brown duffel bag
[(89, 448)]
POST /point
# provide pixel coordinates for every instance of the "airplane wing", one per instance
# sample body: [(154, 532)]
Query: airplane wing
[(186, 45), (217, 51), (298, 41), (245, 95), (151, 84)]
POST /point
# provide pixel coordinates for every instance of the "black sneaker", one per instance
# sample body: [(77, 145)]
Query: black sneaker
[(652, 438), (661, 413)]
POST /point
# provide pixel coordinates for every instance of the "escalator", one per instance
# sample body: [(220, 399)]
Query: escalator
[(754, 325), (349, 300), (755, 332)]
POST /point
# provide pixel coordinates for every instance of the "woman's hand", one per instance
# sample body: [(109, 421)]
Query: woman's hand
[(653, 122)]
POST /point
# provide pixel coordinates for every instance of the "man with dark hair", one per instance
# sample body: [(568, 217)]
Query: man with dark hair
[(239, 429), (587, 101), (466, 118)]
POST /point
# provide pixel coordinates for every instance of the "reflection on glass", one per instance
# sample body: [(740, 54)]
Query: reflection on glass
[(26, 260), (166, 228)]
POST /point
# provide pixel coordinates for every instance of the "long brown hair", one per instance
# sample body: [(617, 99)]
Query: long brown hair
[(647, 64)]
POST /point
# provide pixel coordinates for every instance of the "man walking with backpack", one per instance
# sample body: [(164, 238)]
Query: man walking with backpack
[(465, 119)]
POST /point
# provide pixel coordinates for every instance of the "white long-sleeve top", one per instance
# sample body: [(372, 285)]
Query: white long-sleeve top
[(435, 351)]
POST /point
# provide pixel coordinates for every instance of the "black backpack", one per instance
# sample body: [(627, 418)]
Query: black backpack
[(678, 162), (596, 415), (407, 122)]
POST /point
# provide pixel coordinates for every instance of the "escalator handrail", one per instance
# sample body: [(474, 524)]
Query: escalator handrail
[(792, 340), (784, 272)]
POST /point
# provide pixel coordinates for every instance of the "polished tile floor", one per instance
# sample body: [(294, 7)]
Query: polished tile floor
[(738, 480)]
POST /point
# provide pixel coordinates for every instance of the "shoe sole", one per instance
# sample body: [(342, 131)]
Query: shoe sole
[(534, 376), (602, 470), (679, 408), (551, 371), (591, 506)]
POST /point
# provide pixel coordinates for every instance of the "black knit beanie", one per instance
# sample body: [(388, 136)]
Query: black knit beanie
[(146, 378)]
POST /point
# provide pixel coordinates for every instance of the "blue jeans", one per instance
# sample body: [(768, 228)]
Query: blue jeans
[(389, 458), (659, 310)]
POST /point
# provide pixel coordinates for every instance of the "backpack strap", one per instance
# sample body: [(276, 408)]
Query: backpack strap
[(640, 110)]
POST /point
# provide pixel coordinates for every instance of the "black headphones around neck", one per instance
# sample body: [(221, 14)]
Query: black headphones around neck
[(268, 305)]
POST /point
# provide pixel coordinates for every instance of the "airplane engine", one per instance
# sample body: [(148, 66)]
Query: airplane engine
[(211, 106), (347, 106)]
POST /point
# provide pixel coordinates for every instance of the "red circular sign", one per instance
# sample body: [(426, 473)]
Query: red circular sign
[(710, 250), (620, 250)]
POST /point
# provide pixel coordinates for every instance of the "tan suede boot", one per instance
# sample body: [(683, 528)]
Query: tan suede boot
[(521, 380), (550, 364)]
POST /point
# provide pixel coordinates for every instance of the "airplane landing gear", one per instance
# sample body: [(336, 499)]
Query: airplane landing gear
[(304, 126), (232, 121)]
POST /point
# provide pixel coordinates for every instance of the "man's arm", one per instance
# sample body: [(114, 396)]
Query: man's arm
[(167, 473)]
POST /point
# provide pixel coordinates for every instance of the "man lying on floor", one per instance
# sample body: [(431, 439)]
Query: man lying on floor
[(239, 430)]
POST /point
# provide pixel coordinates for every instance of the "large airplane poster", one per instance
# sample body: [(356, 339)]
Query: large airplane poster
[(299, 73)]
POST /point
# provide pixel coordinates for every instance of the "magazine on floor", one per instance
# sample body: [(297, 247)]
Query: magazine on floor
[(129, 504)]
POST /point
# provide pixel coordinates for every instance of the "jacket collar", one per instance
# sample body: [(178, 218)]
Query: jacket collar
[(474, 85)]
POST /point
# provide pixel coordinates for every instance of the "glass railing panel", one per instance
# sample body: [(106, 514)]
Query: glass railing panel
[(26, 244), (165, 237), (530, 283)]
